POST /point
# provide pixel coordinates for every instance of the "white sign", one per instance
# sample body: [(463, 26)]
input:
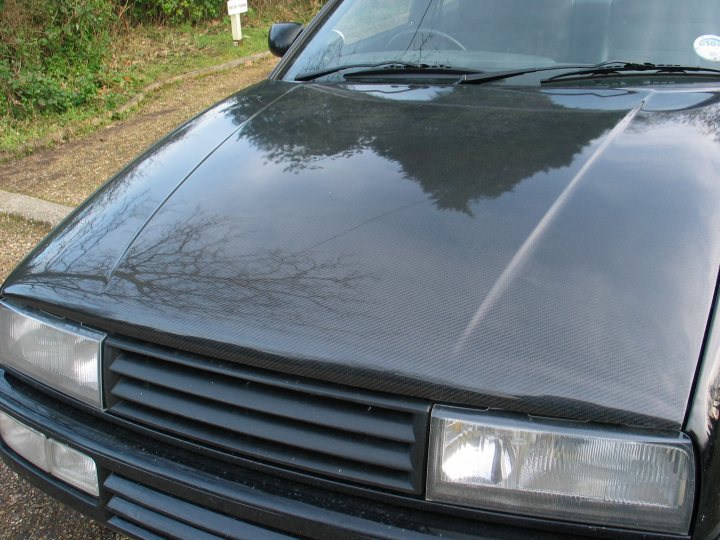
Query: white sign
[(236, 7)]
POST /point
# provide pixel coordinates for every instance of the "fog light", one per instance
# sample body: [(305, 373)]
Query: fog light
[(25, 441), (73, 467), (562, 470), (61, 461)]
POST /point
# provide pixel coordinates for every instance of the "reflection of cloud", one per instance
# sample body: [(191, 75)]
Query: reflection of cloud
[(606, 99), (400, 92)]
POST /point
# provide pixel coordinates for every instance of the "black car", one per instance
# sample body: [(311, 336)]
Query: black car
[(450, 271)]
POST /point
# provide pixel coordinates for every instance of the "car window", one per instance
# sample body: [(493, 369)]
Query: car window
[(371, 17), (498, 35)]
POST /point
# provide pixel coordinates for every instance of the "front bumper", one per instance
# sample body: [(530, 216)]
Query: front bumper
[(151, 488)]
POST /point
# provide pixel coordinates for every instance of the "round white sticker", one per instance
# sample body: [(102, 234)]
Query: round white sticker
[(708, 47)]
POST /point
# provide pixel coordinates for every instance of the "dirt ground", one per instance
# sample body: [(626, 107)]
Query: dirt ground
[(67, 174), (26, 513)]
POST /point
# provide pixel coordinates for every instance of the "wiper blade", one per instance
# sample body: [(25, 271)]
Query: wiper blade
[(610, 69), (481, 78), (422, 69), (605, 68), (312, 75)]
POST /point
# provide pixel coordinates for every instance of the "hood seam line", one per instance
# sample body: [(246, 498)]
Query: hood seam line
[(142, 228)]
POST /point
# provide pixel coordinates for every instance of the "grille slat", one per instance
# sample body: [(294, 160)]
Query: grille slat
[(175, 517), (132, 530), (125, 347), (291, 405), (375, 452), (156, 522), (325, 465), (342, 433)]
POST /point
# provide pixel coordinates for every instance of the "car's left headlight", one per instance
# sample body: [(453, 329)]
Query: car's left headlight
[(64, 356), (562, 470)]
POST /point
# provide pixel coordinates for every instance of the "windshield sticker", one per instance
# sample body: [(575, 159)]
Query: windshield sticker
[(708, 47)]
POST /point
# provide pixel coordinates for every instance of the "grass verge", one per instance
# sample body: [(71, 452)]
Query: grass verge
[(142, 55), (68, 174)]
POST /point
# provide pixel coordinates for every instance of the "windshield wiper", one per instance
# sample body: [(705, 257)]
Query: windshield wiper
[(481, 78), (422, 69), (605, 68), (385, 68), (611, 69), (312, 75)]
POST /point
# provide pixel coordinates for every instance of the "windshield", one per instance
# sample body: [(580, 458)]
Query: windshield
[(498, 35)]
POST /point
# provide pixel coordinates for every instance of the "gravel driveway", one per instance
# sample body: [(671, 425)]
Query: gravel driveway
[(67, 175), (24, 511)]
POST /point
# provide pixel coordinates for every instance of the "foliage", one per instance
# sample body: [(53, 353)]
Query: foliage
[(51, 53), (194, 11), (174, 11), (287, 10), (65, 61)]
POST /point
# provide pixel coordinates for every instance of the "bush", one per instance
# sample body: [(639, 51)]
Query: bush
[(174, 11), (51, 53), (194, 11), (288, 10)]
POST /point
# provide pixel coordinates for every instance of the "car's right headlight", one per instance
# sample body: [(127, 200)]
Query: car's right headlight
[(562, 470), (62, 355)]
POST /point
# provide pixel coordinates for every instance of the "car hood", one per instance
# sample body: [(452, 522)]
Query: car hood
[(549, 251)]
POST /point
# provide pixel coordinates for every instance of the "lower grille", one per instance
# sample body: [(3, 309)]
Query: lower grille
[(336, 432), (145, 513)]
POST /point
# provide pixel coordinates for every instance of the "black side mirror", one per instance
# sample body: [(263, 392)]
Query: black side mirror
[(282, 36)]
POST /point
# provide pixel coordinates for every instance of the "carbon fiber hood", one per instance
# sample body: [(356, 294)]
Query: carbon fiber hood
[(547, 251)]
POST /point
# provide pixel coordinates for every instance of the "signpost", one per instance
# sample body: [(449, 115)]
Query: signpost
[(235, 9)]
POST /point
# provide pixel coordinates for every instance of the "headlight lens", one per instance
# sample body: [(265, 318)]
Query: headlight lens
[(61, 355), (563, 470)]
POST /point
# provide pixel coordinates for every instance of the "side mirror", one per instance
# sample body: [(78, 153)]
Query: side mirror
[(282, 36)]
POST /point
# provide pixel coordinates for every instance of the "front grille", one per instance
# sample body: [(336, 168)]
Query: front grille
[(332, 431), (142, 512)]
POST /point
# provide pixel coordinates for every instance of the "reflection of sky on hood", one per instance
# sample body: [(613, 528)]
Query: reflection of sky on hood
[(402, 92), (619, 100), (666, 101), (604, 99)]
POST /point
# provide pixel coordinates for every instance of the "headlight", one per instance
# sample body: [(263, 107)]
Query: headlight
[(562, 470), (61, 355)]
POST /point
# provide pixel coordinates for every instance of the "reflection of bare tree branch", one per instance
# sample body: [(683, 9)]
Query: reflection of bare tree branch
[(189, 265), (88, 237), (265, 279), (88, 241)]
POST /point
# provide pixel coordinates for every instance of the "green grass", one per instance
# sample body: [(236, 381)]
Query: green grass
[(149, 53), (141, 56)]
